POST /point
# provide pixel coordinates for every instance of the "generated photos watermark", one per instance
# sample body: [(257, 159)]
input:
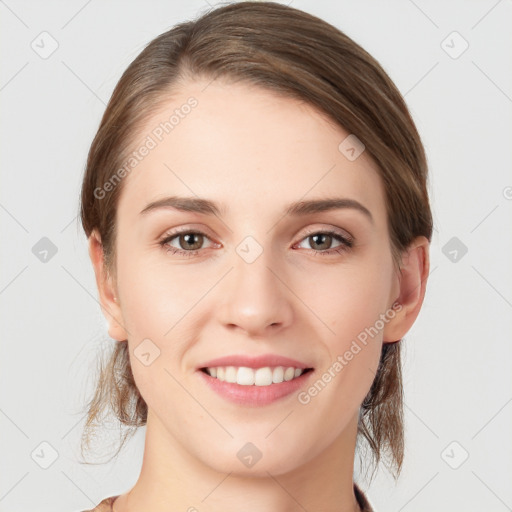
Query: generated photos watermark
[(305, 397), (152, 140)]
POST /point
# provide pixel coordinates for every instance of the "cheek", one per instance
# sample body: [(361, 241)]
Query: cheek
[(157, 295), (346, 300), (163, 313)]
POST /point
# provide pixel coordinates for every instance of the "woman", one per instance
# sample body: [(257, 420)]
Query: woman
[(256, 205)]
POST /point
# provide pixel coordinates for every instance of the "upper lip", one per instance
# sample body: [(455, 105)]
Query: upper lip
[(254, 361)]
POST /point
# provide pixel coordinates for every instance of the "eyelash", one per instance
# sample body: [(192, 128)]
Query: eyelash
[(346, 242)]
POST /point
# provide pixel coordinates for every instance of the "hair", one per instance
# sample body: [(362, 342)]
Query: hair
[(295, 55)]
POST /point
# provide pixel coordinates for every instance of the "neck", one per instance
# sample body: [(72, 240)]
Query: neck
[(173, 479)]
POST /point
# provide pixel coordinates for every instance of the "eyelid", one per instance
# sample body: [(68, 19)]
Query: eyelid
[(190, 228), (345, 239), (343, 233), (309, 231)]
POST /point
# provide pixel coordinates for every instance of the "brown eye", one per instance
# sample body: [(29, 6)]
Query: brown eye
[(186, 243), (191, 241), (321, 241)]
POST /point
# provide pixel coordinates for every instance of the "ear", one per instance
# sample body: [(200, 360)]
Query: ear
[(412, 282), (107, 293)]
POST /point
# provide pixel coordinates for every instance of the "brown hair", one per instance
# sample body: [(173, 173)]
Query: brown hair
[(296, 55)]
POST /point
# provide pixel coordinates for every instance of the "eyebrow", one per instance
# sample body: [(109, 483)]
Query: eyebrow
[(299, 208)]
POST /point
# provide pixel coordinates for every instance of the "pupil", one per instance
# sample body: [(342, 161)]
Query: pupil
[(321, 236), (191, 242)]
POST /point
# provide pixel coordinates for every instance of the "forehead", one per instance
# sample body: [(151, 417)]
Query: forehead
[(248, 149)]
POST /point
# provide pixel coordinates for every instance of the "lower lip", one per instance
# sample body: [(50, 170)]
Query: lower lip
[(254, 395)]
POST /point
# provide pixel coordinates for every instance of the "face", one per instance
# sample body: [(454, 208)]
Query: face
[(253, 279)]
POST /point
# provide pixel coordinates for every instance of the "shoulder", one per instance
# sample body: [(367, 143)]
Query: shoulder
[(104, 506)]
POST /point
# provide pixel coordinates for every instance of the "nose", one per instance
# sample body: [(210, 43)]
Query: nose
[(255, 298)]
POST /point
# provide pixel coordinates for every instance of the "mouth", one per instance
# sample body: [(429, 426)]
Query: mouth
[(254, 381), (246, 376)]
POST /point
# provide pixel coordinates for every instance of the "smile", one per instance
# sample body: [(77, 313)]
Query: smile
[(245, 376), (258, 387)]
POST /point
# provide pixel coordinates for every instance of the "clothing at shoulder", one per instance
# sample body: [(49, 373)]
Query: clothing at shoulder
[(362, 500), (104, 506)]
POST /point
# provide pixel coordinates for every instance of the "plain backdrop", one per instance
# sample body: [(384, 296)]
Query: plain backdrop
[(451, 60)]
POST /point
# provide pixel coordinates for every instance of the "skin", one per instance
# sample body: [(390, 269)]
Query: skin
[(255, 153)]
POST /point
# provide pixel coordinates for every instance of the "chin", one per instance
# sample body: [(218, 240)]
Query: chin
[(255, 459)]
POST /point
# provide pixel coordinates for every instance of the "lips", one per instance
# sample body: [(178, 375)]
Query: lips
[(262, 361), (255, 395), (259, 388)]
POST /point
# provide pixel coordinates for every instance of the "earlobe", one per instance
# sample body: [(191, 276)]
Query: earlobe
[(412, 286), (106, 290)]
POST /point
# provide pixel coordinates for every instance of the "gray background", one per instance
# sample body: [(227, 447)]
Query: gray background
[(458, 390)]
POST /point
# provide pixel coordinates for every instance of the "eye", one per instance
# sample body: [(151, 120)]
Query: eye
[(321, 242), (189, 242)]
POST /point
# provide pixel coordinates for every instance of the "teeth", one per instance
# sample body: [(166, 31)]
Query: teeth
[(278, 375), (263, 376), (257, 377), (245, 376), (230, 375), (289, 373)]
